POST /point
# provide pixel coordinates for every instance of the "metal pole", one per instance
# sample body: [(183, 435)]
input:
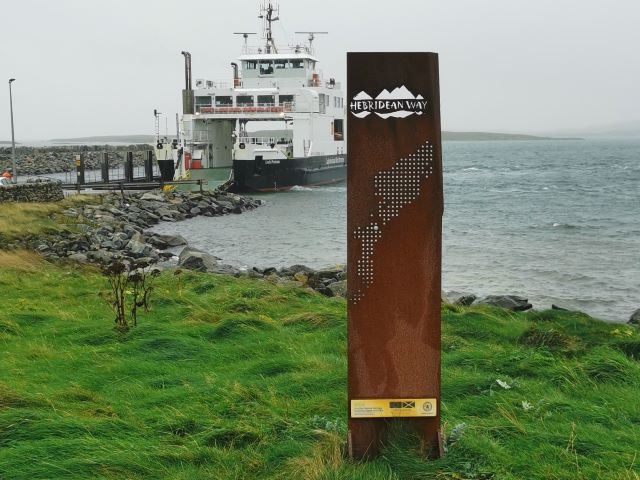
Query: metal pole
[(105, 167), (80, 169), (128, 168), (148, 167), (14, 174)]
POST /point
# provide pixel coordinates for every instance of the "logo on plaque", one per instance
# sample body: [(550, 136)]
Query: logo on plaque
[(397, 103)]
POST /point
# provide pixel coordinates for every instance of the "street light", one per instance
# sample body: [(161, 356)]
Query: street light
[(13, 138)]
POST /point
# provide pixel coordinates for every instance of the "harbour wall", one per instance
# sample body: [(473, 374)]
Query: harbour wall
[(32, 192), (59, 159)]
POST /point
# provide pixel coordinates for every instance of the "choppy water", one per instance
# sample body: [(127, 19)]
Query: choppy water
[(556, 221)]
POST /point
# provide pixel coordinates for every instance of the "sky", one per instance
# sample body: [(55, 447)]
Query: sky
[(89, 67)]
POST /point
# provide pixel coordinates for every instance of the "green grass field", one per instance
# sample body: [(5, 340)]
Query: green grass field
[(240, 379)]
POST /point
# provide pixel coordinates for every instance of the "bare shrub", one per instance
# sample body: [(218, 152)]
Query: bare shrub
[(131, 283)]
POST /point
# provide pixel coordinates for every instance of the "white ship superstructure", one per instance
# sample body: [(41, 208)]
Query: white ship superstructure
[(277, 123)]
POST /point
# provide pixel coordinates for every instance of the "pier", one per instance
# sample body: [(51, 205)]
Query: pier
[(127, 176)]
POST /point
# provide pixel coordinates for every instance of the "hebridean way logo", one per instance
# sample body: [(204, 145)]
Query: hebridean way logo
[(399, 103)]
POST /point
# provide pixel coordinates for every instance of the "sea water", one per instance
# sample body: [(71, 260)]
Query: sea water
[(554, 221)]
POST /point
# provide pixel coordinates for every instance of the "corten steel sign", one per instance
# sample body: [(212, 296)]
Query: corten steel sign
[(394, 218)]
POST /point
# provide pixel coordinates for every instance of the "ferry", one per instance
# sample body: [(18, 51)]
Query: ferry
[(277, 123)]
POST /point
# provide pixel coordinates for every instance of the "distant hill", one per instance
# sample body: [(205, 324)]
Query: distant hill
[(7, 142), (108, 139), (446, 136), (487, 136), (622, 129)]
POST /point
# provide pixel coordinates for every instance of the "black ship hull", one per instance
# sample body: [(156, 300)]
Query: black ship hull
[(278, 175)]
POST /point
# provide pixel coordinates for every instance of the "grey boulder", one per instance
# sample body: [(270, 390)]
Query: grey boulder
[(78, 257), (193, 259), (322, 277), (152, 197), (138, 247), (224, 269), (508, 302), (458, 298), (166, 241), (635, 318), (339, 289)]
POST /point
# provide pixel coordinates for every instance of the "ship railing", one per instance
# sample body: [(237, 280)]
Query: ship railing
[(262, 141), (288, 49), (214, 84), (258, 108)]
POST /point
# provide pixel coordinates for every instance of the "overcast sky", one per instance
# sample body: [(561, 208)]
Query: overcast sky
[(88, 67)]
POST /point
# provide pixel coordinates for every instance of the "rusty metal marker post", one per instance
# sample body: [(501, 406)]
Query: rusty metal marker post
[(395, 205)]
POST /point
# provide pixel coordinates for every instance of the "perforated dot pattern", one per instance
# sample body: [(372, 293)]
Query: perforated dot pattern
[(395, 188)]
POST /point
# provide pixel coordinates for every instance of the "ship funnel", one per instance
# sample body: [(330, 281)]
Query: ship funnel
[(236, 77), (188, 106), (187, 70)]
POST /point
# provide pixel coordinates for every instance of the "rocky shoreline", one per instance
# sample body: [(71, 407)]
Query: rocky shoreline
[(116, 228), (60, 159)]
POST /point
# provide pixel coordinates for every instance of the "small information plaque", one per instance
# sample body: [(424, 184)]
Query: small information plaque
[(394, 407)]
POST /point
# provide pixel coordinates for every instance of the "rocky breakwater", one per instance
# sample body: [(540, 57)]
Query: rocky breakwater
[(116, 227), (331, 282), (32, 192), (45, 160)]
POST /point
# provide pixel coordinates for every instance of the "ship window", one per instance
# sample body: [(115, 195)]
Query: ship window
[(286, 99), (266, 67), (203, 101), (297, 63), (322, 104), (266, 100), (338, 130), (326, 100), (244, 101), (224, 101), (251, 64), (280, 64)]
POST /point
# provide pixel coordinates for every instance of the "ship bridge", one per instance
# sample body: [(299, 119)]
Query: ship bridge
[(279, 69), (271, 86)]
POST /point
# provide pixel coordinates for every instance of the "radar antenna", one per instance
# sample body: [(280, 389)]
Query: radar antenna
[(312, 37), (266, 14), (245, 35)]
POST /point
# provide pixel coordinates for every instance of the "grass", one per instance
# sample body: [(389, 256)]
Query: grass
[(240, 379), (19, 220)]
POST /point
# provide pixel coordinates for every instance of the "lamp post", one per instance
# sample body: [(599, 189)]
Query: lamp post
[(13, 138)]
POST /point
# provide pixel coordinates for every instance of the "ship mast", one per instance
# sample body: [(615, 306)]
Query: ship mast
[(267, 11)]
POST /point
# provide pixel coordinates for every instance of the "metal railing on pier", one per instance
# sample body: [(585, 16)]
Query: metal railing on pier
[(122, 185), (150, 175), (115, 174)]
